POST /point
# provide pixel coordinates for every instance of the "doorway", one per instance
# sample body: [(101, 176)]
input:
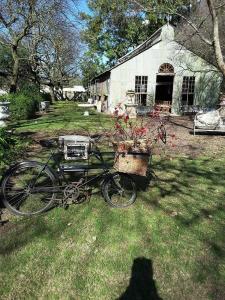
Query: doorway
[(164, 89)]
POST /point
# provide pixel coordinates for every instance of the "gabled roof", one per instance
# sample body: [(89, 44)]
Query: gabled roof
[(166, 32), (152, 40)]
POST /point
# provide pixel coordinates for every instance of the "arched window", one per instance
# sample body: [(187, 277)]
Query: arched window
[(166, 68)]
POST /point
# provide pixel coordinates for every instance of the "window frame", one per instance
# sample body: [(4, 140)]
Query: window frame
[(166, 68), (141, 89), (188, 89)]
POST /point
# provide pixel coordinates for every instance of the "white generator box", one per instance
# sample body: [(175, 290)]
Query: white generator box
[(75, 146)]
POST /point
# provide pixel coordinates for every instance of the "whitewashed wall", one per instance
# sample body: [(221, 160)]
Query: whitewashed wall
[(147, 63)]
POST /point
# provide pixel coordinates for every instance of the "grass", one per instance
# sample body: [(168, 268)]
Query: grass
[(169, 244), (64, 117)]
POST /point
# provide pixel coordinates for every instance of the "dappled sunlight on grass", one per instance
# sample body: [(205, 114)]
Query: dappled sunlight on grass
[(65, 116), (89, 250)]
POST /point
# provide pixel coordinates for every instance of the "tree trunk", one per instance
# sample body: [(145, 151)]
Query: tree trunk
[(15, 71), (52, 93), (216, 37)]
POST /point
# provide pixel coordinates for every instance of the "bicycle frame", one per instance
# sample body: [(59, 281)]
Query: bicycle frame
[(60, 174)]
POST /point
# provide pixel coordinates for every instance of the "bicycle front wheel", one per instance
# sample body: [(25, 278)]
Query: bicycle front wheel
[(120, 190), (28, 189)]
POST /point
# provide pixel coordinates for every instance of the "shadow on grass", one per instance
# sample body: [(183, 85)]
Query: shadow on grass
[(192, 181), (28, 229), (191, 192), (143, 182), (142, 285)]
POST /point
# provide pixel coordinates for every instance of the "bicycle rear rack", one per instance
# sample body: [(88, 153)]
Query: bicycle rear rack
[(80, 168)]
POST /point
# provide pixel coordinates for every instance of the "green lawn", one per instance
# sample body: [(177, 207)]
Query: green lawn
[(170, 244), (65, 117)]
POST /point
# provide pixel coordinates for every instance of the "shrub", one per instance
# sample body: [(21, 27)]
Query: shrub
[(11, 147), (23, 104)]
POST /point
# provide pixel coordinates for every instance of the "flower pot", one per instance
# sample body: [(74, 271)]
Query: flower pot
[(132, 163)]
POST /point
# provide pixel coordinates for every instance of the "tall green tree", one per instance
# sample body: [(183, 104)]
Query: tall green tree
[(114, 27), (90, 66)]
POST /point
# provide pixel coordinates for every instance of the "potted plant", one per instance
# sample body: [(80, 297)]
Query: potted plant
[(134, 141)]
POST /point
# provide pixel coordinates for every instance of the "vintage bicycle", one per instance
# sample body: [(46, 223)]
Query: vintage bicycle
[(32, 187)]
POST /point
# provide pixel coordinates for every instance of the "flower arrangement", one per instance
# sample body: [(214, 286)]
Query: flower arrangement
[(137, 136), (135, 140)]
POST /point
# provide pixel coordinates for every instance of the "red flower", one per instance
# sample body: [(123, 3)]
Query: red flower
[(126, 118), (140, 131), (144, 130)]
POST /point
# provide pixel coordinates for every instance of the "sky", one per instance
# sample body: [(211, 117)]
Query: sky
[(76, 7), (83, 5)]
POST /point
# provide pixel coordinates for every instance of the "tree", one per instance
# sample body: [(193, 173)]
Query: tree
[(115, 27), (90, 67), (54, 53), (6, 63), (205, 21), (16, 21), (27, 24)]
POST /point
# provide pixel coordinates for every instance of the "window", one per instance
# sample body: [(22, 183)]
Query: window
[(166, 68), (188, 90), (141, 88)]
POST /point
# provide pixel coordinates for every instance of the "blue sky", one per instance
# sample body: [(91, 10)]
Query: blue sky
[(77, 7), (83, 5)]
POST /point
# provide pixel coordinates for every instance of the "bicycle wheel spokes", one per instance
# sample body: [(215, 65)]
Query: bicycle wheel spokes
[(120, 190), (28, 190)]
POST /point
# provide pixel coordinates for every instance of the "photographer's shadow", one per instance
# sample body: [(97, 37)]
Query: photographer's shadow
[(141, 286)]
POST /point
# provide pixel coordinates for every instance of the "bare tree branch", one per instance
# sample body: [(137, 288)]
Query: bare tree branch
[(220, 6), (173, 12)]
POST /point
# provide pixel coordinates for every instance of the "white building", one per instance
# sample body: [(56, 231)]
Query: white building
[(159, 71), (71, 92)]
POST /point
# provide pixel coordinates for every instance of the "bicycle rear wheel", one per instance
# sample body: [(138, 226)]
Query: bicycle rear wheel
[(28, 189), (120, 190)]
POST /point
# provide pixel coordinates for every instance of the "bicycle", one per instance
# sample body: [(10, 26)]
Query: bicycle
[(30, 187)]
